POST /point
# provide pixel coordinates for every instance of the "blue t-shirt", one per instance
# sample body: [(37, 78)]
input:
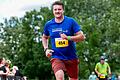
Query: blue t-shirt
[(64, 50)]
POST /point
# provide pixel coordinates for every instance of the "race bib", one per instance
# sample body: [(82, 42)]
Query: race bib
[(102, 76), (59, 42)]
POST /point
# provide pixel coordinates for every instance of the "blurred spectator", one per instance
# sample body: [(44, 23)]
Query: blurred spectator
[(25, 78), (113, 77), (2, 69), (118, 77), (17, 73), (7, 67), (92, 76), (2, 66)]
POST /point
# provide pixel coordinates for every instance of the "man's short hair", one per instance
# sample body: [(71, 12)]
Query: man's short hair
[(58, 3), (102, 58)]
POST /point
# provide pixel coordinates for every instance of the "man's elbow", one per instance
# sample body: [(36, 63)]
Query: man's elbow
[(45, 37)]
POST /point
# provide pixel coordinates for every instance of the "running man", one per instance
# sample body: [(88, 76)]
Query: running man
[(64, 32), (102, 69)]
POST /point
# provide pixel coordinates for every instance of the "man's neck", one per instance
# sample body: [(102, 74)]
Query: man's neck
[(60, 19), (102, 63)]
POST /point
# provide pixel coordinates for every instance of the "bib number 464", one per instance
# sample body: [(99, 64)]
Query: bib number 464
[(61, 43)]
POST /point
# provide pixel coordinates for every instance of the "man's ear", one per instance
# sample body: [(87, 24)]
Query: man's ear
[(63, 11)]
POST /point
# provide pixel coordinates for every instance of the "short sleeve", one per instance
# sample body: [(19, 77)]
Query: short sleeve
[(96, 66), (108, 65), (45, 31), (76, 26)]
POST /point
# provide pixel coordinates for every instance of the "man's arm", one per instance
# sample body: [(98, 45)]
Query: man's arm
[(45, 41), (48, 52), (109, 70), (79, 36), (96, 70)]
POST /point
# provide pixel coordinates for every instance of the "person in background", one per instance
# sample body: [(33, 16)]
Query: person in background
[(9, 75), (2, 66), (102, 69), (118, 77), (7, 67), (3, 71), (64, 32), (18, 75), (113, 76), (92, 76)]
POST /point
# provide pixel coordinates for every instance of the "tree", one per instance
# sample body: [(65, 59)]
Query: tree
[(20, 39)]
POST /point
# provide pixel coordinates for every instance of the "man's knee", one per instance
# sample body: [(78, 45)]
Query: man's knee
[(59, 75)]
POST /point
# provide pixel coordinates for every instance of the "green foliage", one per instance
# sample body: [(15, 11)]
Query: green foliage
[(99, 20)]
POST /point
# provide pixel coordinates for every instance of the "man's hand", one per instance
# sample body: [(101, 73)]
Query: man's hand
[(99, 74), (110, 74), (63, 36), (48, 52)]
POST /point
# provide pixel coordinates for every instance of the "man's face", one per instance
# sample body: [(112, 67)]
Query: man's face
[(58, 11), (102, 61)]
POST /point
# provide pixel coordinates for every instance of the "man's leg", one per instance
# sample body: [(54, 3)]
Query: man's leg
[(59, 75), (58, 68), (72, 69)]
